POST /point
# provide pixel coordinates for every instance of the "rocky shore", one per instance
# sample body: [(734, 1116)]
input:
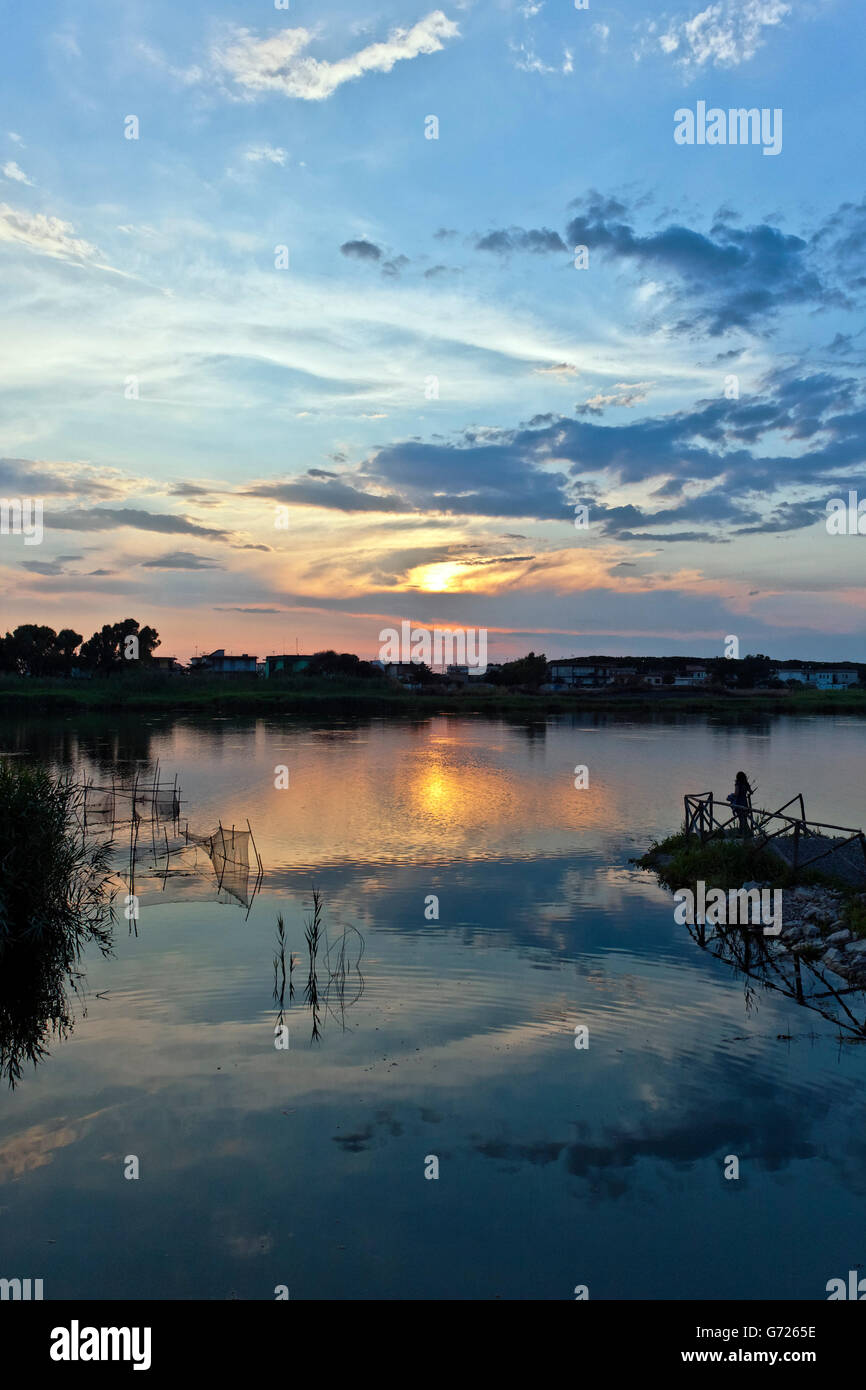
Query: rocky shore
[(812, 923)]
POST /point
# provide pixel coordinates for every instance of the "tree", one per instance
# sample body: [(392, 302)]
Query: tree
[(65, 646), (110, 650), (528, 670), (344, 664)]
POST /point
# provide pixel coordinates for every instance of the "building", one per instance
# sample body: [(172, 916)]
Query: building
[(572, 671), (219, 664), (169, 664), (827, 678), (286, 665), (835, 678), (698, 675)]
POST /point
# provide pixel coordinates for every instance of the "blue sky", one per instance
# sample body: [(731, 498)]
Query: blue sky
[(168, 387)]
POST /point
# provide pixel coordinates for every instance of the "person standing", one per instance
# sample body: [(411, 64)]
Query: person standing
[(741, 802)]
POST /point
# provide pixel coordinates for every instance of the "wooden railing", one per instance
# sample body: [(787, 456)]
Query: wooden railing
[(703, 819)]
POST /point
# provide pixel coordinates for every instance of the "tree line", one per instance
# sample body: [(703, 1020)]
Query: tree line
[(35, 650)]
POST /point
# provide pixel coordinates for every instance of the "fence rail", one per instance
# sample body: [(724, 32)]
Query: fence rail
[(705, 818)]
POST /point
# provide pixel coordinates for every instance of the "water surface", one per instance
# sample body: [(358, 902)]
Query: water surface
[(557, 1166)]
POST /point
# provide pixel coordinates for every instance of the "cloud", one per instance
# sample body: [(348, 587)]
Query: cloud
[(269, 154), (48, 567), (538, 240), (180, 560), (624, 393), (724, 451), (28, 479), (11, 170), (527, 60), (50, 236), (732, 277), (361, 250), (724, 35), (279, 63), (332, 494), (435, 272), (108, 519)]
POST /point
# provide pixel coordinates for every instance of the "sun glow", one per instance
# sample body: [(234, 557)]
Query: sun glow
[(438, 579)]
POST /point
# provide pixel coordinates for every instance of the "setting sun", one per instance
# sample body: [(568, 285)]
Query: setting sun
[(438, 579)]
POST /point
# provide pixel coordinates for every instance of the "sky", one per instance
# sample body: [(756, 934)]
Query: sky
[(297, 343)]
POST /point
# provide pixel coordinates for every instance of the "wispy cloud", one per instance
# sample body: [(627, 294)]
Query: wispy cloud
[(265, 154), (724, 35), (48, 236), (11, 170), (280, 63)]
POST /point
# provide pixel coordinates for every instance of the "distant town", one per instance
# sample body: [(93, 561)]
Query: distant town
[(127, 649), (558, 674)]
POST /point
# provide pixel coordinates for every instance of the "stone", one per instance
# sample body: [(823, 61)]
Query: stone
[(838, 938)]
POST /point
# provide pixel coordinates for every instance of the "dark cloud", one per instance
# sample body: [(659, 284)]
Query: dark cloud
[(109, 519), (180, 560), (538, 240), (24, 478), (733, 277), (42, 566), (337, 496), (190, 490), (728, 454), (435, 272), (361, 250)]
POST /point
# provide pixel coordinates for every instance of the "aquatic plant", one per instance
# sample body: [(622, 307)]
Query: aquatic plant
[(56, 895), (51, 878)]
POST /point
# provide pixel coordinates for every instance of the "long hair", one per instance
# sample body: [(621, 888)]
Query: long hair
[(742, 785)]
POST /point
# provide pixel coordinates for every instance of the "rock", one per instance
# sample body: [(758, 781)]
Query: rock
[(833, 960), (856, 949), (838, 938)]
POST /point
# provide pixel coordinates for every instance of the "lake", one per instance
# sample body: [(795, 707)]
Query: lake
[(436, 1040)]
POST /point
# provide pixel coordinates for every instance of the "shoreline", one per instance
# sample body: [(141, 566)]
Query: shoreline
[(823, 916), (25, 696)]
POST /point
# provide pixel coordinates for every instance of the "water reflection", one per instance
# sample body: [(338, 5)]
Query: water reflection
[(774, 967), (451, 1036)]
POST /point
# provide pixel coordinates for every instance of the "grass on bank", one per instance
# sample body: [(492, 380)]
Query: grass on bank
[(730, 862), (306, 694)]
